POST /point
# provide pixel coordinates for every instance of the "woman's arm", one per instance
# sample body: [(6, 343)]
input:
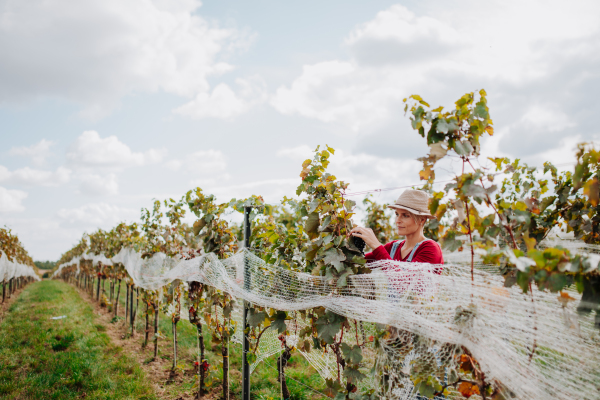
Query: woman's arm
[(380, 253)]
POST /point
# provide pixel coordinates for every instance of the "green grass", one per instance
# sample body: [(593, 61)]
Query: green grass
[(264, 384), (263, 381), (69, 358)]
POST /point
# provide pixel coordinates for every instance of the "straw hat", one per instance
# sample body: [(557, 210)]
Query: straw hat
[(414, 201)]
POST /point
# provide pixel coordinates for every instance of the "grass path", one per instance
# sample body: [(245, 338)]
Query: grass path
[(264, 385), (70, 358), (89, 354)]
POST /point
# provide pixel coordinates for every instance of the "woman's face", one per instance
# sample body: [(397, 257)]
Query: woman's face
[(406, 223)]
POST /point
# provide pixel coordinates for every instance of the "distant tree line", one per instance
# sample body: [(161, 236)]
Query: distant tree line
[(45, 264)]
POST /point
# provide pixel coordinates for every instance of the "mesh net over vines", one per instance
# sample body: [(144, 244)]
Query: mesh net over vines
[(534, 345), (13, 269)]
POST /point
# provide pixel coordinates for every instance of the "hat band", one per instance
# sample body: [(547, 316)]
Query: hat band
[(414, 209)]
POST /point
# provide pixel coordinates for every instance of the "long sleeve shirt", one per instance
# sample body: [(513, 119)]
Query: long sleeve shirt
[(427, 252)]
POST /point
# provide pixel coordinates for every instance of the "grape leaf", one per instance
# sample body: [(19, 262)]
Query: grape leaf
[(352, 354), (312, 223), (353, 374), (256, 318)]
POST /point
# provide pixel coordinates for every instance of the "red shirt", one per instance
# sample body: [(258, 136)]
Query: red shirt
[(427, 252)]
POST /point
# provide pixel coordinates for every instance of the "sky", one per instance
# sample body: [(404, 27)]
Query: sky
[(106, 105)]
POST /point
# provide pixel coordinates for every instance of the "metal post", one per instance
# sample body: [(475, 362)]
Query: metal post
[(245, 365)]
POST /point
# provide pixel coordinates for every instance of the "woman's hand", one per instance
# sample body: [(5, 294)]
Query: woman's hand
[(367, 235)]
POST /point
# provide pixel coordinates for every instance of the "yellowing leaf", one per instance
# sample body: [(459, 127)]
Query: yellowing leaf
[(304, 173), (437, 151), (467, 389), (441, 211), (521, 206), (564, 298), (591, 190), (529, 242)]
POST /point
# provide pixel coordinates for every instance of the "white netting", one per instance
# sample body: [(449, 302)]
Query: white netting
[(12, 269), (95, 258), (431, 318)]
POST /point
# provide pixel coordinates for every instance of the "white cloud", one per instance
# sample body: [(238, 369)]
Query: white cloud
[(562, 155), (204, 162), (438, 55), (95, 52), (223, 102), (95, 215), (90, 150), (35, 177), (548, 118), (397, 35), (11, 200), (338, 92), (174, 165), (298, 152), (94, 184), (37, 152)]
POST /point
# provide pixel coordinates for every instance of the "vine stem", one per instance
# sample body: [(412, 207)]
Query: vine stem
[(470, 231), (258, 338), (471, 240), (534, 325)]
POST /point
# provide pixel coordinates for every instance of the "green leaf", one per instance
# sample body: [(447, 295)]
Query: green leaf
[(353, 374), (359, 260), (342, 279), (463, 148), (198, 225), (327, 330), (450, 243), (474, 190), (556, 282), (481, 111), (312, 223), (313, 205), (442, 126), (333, 387), (349, 204), (352, 354), (334, 256), (325, 224), (279, 322), (426, 390), (310, 255), (256, 318)]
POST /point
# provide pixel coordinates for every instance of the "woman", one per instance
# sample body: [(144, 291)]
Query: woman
[(411, 214)]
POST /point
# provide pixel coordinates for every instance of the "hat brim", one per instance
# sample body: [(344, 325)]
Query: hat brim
[(411, 210)]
